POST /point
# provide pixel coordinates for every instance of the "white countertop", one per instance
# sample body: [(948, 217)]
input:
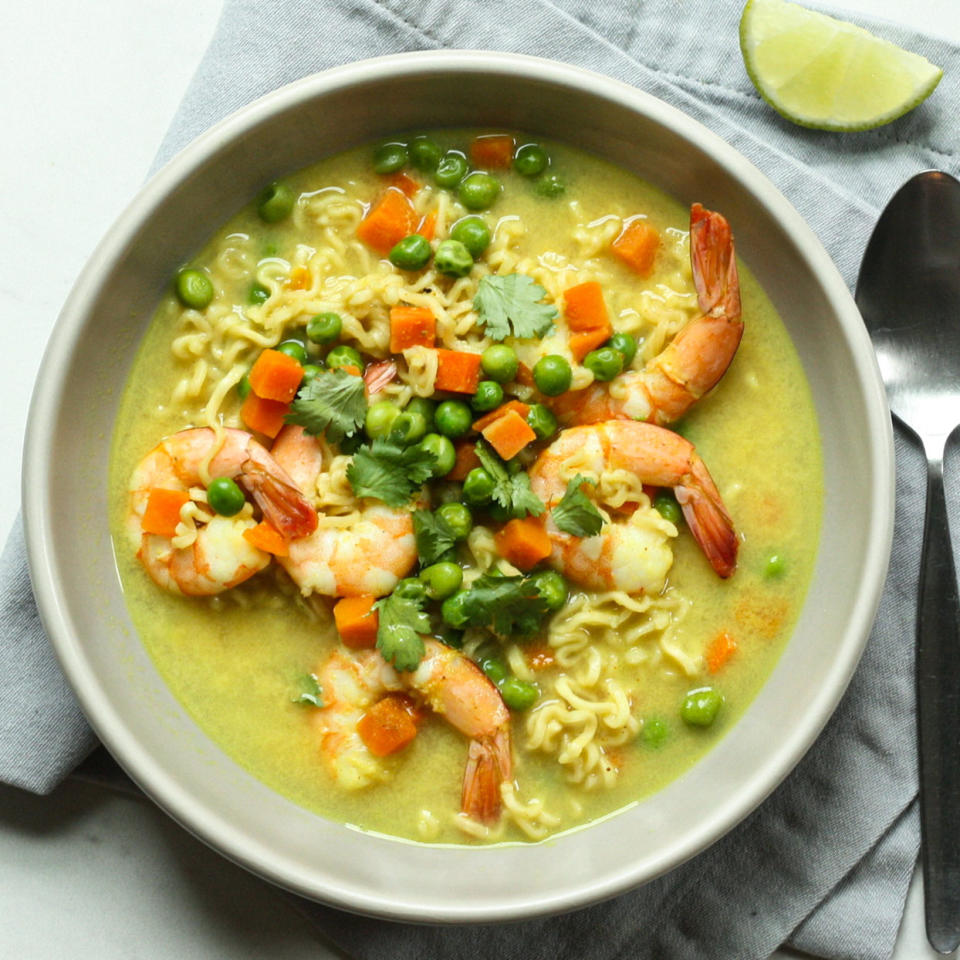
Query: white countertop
[(105, 873)]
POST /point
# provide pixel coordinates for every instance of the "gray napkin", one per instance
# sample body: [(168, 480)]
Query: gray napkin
[(825, 861)]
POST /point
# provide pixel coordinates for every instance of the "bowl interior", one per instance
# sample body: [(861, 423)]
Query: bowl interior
[(92, 350)]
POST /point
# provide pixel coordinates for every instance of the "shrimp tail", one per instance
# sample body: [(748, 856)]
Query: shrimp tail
[(714, 263), (284, 507), (489, 764), (708, 519)]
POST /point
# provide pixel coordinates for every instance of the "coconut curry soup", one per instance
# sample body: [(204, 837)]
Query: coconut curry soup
[(451, 491)]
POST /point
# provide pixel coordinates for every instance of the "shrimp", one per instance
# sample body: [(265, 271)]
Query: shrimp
[(369, 556), (447, 682), (632, 556), (219, 557), (697, 357)]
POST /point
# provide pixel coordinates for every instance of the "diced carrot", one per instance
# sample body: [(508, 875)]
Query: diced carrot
[(524, 542), (492, 151), (627, 508), (582, 343), (651, 491), (584, 308), (637, 246), (275, 376), (389, 220), (457, 371), (428, 225), (387, 726), (267, 538), (522, 408), (299, 279), (539, 658), (162, 513), (509, 434), (721, 649), (525, 375), (264, 416), (352, 370), (466, 460), (357, 621), (403, 181), (411, 327)]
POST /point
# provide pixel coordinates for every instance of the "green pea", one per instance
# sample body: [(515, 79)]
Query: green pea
[(552, 375), (257, 294), (310, 372), (552, 588), (408, 428), (625, 344), (424, 153), (665, 503), (449, 636), (194, 289), (446, 491), (774, 566), (453, 418), (390, 157), (451, 169), (276, 201), (518, 694), (500, 363), (700, 706), (442, 448), (542, 421), (498, 512), (380, 418), (456, 518), (655, 732), (478, 191), (453, 609), (442, 580), (530, 160), (411, 253), (344, 356), (324, 328), (477, 486), (452, 258), (243, 387), (473, 233), (410, 588), (225, 497), (550, 186), (488, 397), (295, 349), (604, 363), (424, 407), (495, 669)]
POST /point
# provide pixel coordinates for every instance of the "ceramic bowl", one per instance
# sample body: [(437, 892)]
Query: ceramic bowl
[(90, 354)]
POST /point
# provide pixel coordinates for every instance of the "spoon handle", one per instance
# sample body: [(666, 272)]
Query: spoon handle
[(938, 710)]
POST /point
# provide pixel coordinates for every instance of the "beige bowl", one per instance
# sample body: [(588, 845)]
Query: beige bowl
[(90, 354)]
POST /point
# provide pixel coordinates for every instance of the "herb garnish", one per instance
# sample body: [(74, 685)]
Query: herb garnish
[(402, 620), (575, 513), (507, 605), (332, 403), (511, 491), (434, 537), (511, 304), (390, 472), (312, 693)]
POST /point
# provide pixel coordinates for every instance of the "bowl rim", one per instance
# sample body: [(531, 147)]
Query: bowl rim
[(205, 822)]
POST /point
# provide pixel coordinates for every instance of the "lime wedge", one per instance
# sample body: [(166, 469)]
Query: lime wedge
[(828, 74)]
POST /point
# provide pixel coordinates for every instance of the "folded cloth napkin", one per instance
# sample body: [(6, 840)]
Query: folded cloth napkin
[(824, 863)]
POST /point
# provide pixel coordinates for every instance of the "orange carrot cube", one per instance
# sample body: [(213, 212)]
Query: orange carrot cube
[(162, 513), (509, 434), (357, 622)]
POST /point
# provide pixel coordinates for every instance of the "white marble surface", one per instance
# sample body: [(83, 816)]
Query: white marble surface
[(89, 90)]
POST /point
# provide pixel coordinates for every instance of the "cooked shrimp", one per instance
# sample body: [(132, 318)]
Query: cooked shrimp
[(218, 556), (369, 556), (697, 357), (634, 555), (446, 681)]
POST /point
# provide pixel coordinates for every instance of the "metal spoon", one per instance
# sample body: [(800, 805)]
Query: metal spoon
[(909, 295)]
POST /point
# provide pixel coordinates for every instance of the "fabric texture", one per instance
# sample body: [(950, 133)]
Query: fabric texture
[(824, 863)]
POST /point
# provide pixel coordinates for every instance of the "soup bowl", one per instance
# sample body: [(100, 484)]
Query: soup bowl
[(66, 502)]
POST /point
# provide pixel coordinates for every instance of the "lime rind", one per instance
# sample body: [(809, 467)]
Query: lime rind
[(827, 74)]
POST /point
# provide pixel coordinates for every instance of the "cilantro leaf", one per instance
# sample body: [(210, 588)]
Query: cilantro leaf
[(390, 472), (332, 403), (511, 491), (434, 537), (402, 620), (507, 605), (575, 513), (513, 300), (312, 693)]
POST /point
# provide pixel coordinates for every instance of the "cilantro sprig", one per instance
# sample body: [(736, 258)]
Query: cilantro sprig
[(434, 538), (511, 491), (390, 472), (401, 621), (511, 304), (312, 693), (575, 513), (332, 403), (507, 605)]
